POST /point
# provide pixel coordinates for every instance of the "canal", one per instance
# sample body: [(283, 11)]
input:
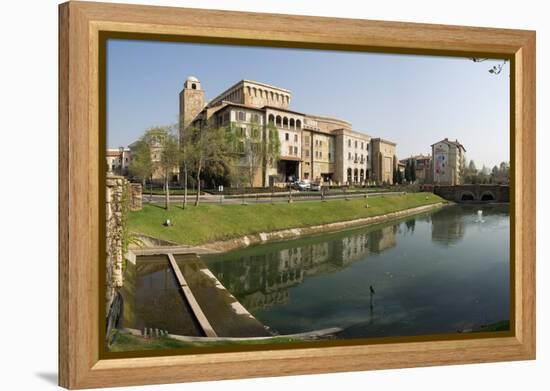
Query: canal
[(439, 272)]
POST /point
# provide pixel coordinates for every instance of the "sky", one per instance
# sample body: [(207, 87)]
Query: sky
[(412, 100)]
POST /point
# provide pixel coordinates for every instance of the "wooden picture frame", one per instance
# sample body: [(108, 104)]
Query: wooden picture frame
[(81, 25)]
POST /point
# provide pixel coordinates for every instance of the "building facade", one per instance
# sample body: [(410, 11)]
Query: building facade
[(447, 161), (118, 160), (315, 148), (423, 167), (383, 160)]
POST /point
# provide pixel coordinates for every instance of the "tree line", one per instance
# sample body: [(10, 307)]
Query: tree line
[(497, 175), (232, 154)]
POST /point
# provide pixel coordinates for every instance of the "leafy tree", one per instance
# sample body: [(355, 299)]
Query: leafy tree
[(408, 171), (413, 170), (141, 165), (205, 147), (163, 140), (169, 159), (399, 177)]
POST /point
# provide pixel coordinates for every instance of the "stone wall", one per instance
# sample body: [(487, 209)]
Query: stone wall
[(116, 186), (136, 195)]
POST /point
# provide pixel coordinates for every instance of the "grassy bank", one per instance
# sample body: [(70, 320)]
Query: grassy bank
[(208, 223), (128, 343)]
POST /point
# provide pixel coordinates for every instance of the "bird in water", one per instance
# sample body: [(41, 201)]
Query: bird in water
[(372, 290)]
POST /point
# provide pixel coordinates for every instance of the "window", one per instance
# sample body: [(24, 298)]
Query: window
[(349, 155), (296, 150), (295, 138), (355, 143), (362, 145), (349, 143), (241, 116), (306, 152), (256, 118), (321, 154), (290, 150), (242, 132), (329, 156), (306, 141), (287, 136)]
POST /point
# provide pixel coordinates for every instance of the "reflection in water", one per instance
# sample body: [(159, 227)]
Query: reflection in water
[(432, 273), (156, 300)]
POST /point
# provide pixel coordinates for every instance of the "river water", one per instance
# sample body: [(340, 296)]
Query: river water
[(435, 273)]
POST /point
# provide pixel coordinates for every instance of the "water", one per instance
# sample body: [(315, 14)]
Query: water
[(440, 272)]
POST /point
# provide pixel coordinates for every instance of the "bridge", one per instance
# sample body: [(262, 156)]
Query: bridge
[(474, 193)]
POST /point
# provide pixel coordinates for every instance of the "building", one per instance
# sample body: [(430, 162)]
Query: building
[(383, 160), (316, 148), (423, 167), (447, 162), (118, 160)]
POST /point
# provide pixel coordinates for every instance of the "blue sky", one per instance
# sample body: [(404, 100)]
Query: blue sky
[(412, 100)]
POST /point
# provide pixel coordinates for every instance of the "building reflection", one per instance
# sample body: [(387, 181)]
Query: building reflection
[(262, 281), (448, 227)]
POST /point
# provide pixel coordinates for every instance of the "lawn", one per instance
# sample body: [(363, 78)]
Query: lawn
[(128, 343), (213, 222)]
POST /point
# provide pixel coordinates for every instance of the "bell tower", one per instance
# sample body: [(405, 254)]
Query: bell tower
[(191, 102)]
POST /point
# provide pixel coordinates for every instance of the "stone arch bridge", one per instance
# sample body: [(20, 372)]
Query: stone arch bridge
[(474, 193)]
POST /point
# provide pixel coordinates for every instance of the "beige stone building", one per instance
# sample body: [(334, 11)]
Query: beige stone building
[(118, 160), (383, 160), (316, 148), (447, 160), (423, 167)]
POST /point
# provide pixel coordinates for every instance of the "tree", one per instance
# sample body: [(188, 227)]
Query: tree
[(413, 170), (462, 171), (141, 165), (408, 171), (399, 177), (395, 171), (163, 140), (169, 159), (207, 146)]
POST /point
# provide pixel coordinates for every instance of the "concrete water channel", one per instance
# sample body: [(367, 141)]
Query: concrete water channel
[(442, 271)]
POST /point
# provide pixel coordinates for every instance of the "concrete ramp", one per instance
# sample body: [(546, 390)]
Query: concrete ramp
[(225, 315)]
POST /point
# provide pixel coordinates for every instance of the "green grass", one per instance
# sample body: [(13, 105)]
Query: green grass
[(127, 343), (503, 325), (213, 222)]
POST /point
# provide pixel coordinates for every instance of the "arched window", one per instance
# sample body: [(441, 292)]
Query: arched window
[(362, 175), (248, 91), (278, 120), (356, 175), (349, 175), (271, 95), (298, 124), (255, 91), (194, 86), (271, 118), (276, 97), (292, 123), (285, 122)]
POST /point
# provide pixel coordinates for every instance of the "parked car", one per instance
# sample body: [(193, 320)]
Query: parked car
[(315, 187), (303, 185)]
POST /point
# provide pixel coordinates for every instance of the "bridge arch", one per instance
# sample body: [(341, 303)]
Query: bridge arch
[(488, 196), (467, 196)]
